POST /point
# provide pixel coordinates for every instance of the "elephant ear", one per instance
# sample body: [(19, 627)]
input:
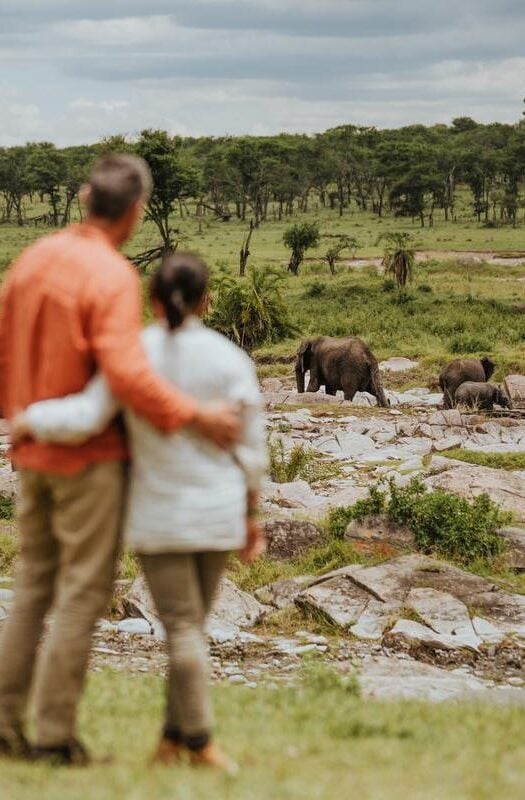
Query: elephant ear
[(304, 355)]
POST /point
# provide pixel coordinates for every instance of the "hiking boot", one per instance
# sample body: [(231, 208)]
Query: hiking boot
[(72, 754), (212, 756), (169, 752), (13, 744)]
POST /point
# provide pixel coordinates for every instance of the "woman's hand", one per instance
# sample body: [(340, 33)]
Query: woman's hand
[(255, 541), (19, 428)]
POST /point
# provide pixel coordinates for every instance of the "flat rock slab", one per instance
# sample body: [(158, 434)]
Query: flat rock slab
[(414, 634), (345, 444), (444, 614), (398, 364), (289, 538), (282, 594), (505, 488), (378, 535), (515, 553), (338, 599), (236, 607), (515, 386), (388, 678), (232, 607)]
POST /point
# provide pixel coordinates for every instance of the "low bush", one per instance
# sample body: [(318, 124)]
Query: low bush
[(7, 507), (299, 462), (251, 311), (442, 523)]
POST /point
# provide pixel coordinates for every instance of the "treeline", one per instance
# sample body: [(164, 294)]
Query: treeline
[(409, 172)]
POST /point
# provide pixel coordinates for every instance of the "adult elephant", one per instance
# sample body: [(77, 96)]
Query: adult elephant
[(461, 370), (346, 364)]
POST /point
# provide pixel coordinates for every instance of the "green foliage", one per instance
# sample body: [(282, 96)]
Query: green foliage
[(7, 507), (252, 311), (508, 461), (8, 551), (299, 238), (300, 462), (442, 523), (315, 738), (467, 344), (339, 518), (343, 243), (399, 256)]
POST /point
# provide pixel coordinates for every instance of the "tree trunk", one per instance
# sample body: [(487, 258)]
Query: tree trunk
[(245, 251)]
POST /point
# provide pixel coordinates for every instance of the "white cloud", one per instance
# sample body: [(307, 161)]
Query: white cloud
[(80, 71)]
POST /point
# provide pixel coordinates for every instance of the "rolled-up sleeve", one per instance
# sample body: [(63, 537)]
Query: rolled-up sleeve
[(115, 328)]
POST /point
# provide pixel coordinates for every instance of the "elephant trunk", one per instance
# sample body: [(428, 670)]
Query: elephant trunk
[(299, 377)]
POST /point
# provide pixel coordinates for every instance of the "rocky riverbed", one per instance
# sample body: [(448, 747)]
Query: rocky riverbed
[(410, 626)]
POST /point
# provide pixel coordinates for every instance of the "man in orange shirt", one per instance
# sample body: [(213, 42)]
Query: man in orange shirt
[(71, 305)]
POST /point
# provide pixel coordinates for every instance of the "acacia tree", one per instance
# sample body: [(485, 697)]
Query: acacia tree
[(300, 238), (14, 181), (47, 170), (174, 179), (343, 243), (399, 256)]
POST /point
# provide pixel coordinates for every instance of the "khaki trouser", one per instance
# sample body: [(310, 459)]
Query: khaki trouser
[(183, 586), (69, 538)]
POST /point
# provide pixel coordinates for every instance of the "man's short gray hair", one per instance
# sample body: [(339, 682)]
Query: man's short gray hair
[(116, 183)]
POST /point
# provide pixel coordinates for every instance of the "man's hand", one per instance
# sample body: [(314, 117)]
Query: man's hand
[(19, 428), (255, 541), (221, 423)]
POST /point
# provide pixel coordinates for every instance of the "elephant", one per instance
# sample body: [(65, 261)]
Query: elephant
[(346, 364), (481, 395), (463, 369)]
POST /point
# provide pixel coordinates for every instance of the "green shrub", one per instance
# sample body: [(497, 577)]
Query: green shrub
[(339, 518), (442, 523), (388, 285), (251, 311), (468, 344), (8, 552), (300, 462), (7, 507)]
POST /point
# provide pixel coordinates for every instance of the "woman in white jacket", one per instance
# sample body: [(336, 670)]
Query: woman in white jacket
[(190, 503)]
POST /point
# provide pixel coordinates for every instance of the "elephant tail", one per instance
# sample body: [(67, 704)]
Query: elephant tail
[(377, 385)]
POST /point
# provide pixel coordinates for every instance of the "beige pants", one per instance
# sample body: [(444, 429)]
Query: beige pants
[(69, 538), (183, 586)]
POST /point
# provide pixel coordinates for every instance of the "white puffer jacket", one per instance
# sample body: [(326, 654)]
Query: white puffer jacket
[(186, 494)]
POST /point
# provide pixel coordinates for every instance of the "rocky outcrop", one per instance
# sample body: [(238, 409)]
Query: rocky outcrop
[(515, 387), (368, 601), (379, 536), (507, 489), (288, 538)]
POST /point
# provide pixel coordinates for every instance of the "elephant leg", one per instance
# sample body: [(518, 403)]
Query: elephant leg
[(330, 390), (448, 400), (349, 392)]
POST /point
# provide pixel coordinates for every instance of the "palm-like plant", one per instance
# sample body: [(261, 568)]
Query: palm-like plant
[(399, 256), (253, 311)]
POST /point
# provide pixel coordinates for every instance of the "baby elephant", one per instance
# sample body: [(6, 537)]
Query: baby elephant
[(481, 395)]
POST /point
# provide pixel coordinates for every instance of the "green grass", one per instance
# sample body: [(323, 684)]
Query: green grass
[(455, 307), (508, 461), (8, 549), (318, 741)]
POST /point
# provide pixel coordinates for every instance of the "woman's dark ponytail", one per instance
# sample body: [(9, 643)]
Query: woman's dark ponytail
[(179, 285)]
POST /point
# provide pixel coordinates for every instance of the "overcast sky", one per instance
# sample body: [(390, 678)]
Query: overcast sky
[(74, 71)]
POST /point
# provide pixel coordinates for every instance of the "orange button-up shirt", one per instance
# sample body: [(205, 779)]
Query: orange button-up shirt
[(71, 304)]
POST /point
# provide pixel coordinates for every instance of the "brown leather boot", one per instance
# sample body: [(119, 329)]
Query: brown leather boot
[(212, 756), (169, 753)]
